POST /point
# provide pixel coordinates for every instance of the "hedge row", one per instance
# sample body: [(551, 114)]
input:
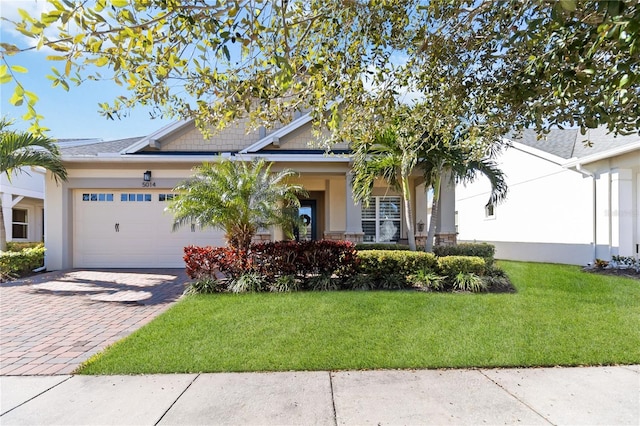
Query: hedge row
[(314, 265), (271, 260), (18, 263)]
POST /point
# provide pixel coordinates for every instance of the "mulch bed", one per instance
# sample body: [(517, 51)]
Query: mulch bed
[(627, 273)]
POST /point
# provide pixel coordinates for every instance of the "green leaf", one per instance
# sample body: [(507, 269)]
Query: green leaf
[(18, 68), (568, 5), (16, 99), (119, 3), (102, 61), (5, 79)]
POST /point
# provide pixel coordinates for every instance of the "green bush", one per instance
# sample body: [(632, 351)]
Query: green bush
[(19, 263), (484, 250), (467, 281), (381, 246), (16, 246), (451, 266), (427, 280), (390, 268)]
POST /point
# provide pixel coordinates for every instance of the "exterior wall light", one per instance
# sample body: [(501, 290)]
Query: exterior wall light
[(146, 176)]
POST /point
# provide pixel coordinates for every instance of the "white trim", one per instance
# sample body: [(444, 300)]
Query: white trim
[(312, 158), (535, 152), (614, 152), (275, 136), (153, 138)]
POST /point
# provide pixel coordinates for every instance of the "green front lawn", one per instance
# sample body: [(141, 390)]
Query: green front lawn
[(559, 316)]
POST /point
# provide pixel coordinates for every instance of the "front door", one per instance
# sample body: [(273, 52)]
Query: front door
[(307, 212)]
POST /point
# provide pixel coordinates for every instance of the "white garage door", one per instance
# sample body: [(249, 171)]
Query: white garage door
[(129, 228)]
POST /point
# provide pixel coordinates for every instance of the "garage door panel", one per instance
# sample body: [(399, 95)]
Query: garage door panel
[(112, 232)]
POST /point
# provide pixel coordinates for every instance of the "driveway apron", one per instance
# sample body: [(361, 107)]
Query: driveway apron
[(51, 323)]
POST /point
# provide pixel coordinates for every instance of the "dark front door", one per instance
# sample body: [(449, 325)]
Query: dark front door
[(307, 212)]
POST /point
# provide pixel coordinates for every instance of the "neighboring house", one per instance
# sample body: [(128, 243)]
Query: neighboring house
[(111, 212), (567, 203), (23, 204), (23, 199)]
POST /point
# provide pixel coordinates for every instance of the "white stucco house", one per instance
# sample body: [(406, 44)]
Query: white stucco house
[(111, 212), (23, 204), (23, 199), (567, 203)]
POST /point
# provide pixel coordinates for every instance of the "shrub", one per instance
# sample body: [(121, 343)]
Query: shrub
[(390, 268), (19, 263), (16, 246), (206, 285), (247, 282), (467, 281), (381, 246), (427, 279), (284, 283), (272, 261), (451, 266), (484, 250)]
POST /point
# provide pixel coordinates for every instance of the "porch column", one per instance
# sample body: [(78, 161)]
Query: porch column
[(622, 212), (353, 231), (7, 204), (446, 234)]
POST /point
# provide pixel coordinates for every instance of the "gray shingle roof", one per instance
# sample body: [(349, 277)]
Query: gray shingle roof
[(569, 143), (93, 149)]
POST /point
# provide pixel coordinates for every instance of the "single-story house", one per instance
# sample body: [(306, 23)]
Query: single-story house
[(111, 211), (567, 202)]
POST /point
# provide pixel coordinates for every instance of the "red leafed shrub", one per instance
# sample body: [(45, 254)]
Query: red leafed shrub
[(305, 258), (271, 260), (208, 261)]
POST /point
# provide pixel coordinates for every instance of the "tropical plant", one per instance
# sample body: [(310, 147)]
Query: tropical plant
[(456, 159), (390, 154), (468, 281), (20, 150), (237, 197)]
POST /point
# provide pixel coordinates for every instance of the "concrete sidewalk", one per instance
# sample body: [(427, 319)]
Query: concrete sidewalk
[(592, 395)]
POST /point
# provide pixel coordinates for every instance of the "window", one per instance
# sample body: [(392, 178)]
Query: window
[(20, 224), (135, 197), (97, 197), (490, 211), (381, 220), (166, 197)]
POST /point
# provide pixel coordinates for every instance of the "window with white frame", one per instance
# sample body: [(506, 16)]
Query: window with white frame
[(20, 224), (381, 220)]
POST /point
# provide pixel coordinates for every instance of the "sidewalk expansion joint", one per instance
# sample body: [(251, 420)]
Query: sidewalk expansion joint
[(176, 400), (34, 397), (333, 400), (514, 396)]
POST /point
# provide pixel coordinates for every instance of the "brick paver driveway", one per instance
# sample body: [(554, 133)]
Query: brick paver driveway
[(51, 323)]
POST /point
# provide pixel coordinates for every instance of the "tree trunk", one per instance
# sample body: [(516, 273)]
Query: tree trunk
[(3, 232), (406, 195), (434, 215)]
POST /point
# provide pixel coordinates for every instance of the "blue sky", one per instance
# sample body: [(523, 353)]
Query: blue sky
[(72, 114)]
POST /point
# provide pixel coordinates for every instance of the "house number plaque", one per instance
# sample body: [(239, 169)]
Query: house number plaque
[(148, 184)]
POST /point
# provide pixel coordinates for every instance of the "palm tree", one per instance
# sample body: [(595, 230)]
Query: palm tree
[(392, 157), (457, 162), (21, 149), (237, 197)]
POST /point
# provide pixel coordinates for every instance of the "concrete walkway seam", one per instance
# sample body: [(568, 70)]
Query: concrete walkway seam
[(516, 397), (35, 396), (176, 400), (333, 399)]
